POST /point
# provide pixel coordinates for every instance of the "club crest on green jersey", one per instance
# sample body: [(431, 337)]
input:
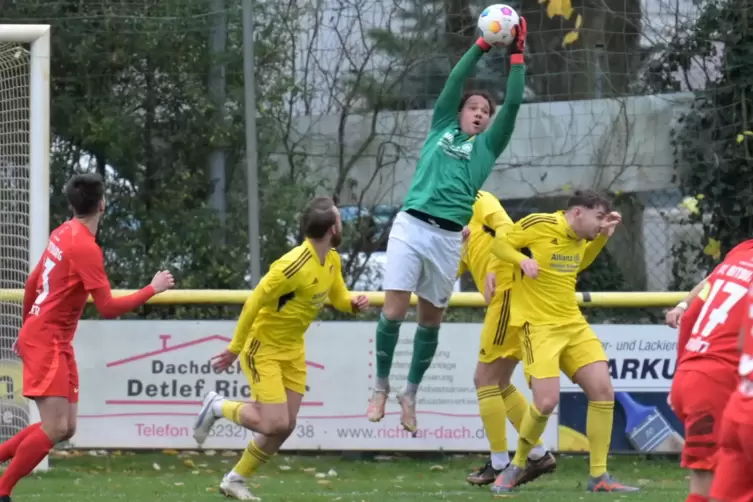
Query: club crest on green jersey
[(462, 151)]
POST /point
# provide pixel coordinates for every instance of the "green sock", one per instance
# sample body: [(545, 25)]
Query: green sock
[(386, 340), (424, 347)]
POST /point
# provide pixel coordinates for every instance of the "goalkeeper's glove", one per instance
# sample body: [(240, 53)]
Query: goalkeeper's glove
[(518, 46), (485, 46)]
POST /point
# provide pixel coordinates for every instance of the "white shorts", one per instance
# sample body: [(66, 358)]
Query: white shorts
[(422, 259)]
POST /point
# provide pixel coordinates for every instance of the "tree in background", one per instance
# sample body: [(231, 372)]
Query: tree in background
[(150, 94), (130, 99), (712, 57)]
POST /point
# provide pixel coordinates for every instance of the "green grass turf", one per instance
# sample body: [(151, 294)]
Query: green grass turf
[(172, 477)]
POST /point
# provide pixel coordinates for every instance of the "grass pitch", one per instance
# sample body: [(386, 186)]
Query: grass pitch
[(193, 477)]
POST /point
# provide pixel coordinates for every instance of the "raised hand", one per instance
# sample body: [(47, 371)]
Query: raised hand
[(610, 223), (521, 32), (162, 281)]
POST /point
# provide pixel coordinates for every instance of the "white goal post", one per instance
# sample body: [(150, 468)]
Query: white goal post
[(24, 195)]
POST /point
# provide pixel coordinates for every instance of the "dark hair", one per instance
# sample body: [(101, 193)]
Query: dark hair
[(318, 217), (84, 193), (484, 94), (589, 199)]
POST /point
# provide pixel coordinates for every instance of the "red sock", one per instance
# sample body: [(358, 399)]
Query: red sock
[(8, 448), (694, 497), (29, 453)]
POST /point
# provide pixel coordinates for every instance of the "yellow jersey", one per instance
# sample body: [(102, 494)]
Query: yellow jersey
[(550, 298), (289, 297), (488, 217)]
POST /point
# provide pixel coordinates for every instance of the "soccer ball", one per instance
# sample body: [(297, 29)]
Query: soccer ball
[(497, 24)]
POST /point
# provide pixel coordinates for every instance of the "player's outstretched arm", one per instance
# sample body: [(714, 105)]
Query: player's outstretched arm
[(30, 289), (686, 327), (340, 297), (498, 136), (519, 235), (506, 251), (594, 247), (592, 250), (502, 225), (88, 263), (110, 307), (448, 102), (673, 316), (506, 244)]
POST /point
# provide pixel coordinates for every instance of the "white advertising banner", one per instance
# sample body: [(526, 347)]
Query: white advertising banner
[(141, 383)]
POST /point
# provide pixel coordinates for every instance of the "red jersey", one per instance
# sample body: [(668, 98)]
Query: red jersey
[(71, 268), (740, 407), (710, 327)]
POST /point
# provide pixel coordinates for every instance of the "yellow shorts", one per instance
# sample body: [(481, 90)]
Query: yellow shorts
[(497, 339), (549, 349), (271, 370)]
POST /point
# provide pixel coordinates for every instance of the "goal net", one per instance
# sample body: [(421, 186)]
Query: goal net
[(24, 197)]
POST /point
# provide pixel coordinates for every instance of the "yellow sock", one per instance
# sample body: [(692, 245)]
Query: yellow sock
[(599, 433), (252, 458), (232, 410), (516, 405), (531, 429), (494, 416)]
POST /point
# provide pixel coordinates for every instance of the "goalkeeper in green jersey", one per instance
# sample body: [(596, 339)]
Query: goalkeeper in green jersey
[(425, 242)]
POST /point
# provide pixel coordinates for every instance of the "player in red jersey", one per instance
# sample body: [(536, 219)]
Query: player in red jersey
[(70, 269), (706, 362), (733, 482)]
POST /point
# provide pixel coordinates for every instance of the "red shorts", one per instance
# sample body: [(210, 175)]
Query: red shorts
[(732, 479), (699, 401), (49, 371)]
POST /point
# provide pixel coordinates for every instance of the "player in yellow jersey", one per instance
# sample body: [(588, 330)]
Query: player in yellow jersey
[(499, 353), (554, 332), (269, 340)]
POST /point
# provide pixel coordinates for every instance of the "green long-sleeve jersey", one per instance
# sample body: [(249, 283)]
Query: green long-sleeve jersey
[(452, 165)]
